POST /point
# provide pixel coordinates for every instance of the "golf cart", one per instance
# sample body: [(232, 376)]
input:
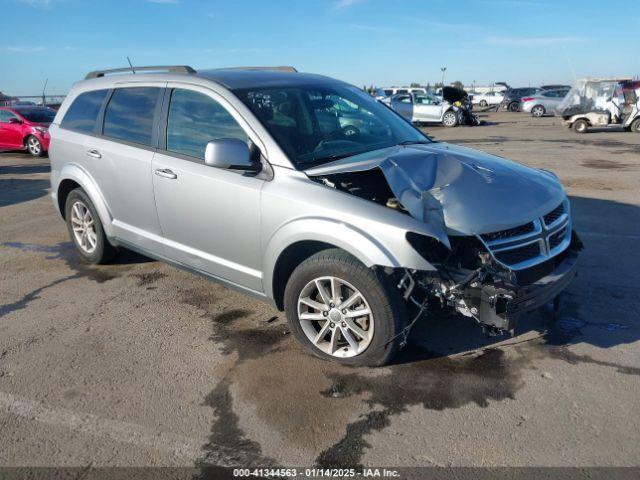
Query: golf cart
[(602, 102)]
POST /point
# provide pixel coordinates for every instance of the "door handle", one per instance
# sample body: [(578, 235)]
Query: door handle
[(165, 173), (94, 153)]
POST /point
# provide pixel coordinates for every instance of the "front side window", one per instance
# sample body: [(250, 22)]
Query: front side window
[(129, 114), (196, 119), (310, 126), (5, 116), (84, 111)]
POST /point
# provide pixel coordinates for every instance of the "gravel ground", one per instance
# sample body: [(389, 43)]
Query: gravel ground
[(138, 363)]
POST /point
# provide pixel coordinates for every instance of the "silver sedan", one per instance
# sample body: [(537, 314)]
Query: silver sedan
[(543, 103)]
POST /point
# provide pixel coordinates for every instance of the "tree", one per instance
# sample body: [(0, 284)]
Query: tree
[(415, 85), (458, 84)]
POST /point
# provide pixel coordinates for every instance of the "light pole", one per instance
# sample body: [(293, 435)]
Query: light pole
[(443, 69)]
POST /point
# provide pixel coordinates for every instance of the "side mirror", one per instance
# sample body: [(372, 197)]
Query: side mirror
[(15, 121), (230, 154)]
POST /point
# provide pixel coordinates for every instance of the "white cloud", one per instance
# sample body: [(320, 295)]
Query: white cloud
[(370, 28), (532, 41), (38, 3), (23, 49), (340, 4), (511, 3)]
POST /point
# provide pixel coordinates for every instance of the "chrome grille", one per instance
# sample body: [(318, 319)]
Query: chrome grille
[(554, 214), (511, 232), (533, 242), (519, 254)]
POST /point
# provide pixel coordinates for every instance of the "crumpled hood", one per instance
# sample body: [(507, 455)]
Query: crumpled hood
[(472, 192)]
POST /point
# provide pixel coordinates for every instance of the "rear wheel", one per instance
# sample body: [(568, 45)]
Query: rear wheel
[(483, 103), (580, 125), (34, 147), (343, 311), (538, 111), (85, 228), (635, 125), (450, 119)]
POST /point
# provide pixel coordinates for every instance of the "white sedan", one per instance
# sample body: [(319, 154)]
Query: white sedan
[(489, 98)]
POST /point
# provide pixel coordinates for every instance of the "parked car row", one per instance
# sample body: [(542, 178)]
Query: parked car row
[(26, 127)]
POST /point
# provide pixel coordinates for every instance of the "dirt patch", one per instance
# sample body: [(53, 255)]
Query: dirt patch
[(602, 164), (148, 278)]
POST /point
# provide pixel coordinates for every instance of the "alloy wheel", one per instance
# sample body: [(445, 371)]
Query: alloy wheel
[(83, 227), (449, 119), (335, 317), (33, 145), (537, 111)]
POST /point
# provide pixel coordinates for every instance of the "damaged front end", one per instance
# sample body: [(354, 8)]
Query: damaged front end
[(511, 247), (470, 281)]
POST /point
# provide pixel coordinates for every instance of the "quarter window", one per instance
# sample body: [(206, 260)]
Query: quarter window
[(196, 119), (84, 111), (129, 115)]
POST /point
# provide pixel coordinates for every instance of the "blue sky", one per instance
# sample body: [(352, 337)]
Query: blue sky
[(380, 42)]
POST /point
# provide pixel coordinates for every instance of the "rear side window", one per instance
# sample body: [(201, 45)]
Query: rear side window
[(196, 119), (129, 114), (84, 111)]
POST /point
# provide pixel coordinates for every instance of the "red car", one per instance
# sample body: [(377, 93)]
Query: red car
[(26, 128)]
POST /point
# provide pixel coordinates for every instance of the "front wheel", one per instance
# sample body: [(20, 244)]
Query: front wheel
[(85, 228), (538, 111), (513, 107), (34, 147), (343, 311), (635, 125), (483, 103), (450, 119)]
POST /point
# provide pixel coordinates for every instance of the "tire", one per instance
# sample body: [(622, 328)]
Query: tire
[(580, 126), (450, 119), (380, 329), (513, 107), (538, 111), (34, 147), (483, 103), (635, 125), (81, 216)]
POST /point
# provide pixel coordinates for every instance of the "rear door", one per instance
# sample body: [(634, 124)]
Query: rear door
[(403, 104), (120, 160), (210, 217)]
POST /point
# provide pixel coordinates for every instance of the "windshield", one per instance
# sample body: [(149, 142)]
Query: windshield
[(319, 124), (37, 115)]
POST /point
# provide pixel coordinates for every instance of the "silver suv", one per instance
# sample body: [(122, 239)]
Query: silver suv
[(307, 193)]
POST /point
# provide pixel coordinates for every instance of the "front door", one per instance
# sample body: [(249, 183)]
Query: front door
[(210, 217), (10, 133)]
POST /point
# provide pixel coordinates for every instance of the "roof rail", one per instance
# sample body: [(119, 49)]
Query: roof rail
[(282, 68), (166, 68)]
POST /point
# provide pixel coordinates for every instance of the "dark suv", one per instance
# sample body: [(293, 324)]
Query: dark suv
[(513, 96)]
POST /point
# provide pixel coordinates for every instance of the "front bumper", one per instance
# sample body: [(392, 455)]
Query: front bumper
[(499, 306)]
